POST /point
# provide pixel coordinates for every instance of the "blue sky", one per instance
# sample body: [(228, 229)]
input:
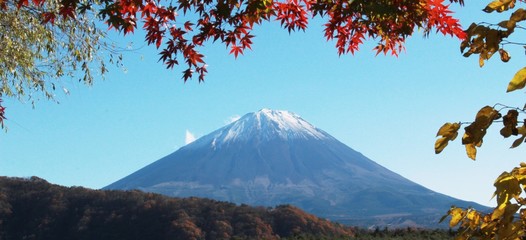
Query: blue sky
[(387, 108)]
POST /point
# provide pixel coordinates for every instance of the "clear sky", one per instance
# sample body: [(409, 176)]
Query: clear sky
[(387, 108)]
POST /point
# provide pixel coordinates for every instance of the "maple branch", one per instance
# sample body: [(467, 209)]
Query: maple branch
[(231, 22)]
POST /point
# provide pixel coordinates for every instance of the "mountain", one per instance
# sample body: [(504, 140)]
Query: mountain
[(273, 157)]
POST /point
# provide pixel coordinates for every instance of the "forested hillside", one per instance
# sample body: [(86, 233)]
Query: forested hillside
[(35, 209)]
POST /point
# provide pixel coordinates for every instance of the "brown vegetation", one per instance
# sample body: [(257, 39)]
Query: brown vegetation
[(35, 209)]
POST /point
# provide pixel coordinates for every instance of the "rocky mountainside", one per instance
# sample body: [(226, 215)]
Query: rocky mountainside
[(275, 157)]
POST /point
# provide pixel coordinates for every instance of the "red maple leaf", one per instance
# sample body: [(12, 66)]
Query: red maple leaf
[(149, 9), (67, 11), (22, 3), (236, 50), (187, 74), (48, 17), (188, 26)]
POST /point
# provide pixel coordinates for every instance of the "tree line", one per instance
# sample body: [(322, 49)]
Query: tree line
[(32, 208)]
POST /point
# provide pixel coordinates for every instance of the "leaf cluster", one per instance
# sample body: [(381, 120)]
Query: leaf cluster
[(508, 218), (232, 21), (503, 222), (487, 39), (48, 39), (475, 131), (184, 25), (36, 57)]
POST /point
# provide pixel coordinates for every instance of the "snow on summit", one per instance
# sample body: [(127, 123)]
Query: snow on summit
[(288, 122), (266, 124)]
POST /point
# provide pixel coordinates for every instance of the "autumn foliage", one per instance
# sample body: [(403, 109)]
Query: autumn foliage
[(508, 218), (34, 209), (485, 40), (506, 221), (180, 27)]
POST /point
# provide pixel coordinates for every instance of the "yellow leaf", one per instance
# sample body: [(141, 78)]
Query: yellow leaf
[(521, 177), (474, 218), (518, 81), (455, 134), (487, 224), (471, 214), (456, 215), (499, 6), (471, 151), (448, 130), (485, 116), (497, 213), (475, 132), (507, 187), (522, 130), (440, 144)]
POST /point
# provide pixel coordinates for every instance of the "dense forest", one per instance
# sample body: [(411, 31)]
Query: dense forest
[(32, 208), (35, 209)]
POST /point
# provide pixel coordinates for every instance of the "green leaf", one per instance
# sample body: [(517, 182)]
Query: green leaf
[(518, 81)]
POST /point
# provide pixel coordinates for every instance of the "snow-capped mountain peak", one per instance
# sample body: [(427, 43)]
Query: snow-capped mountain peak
[(289, 122), (266, 124)]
